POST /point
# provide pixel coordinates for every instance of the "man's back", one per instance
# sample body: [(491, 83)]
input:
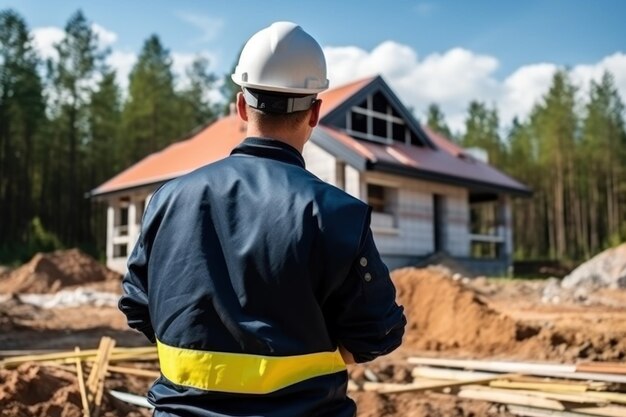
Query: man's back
[(249, 269)]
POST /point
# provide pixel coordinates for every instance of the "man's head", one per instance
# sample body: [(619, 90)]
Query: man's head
[(281, 69)]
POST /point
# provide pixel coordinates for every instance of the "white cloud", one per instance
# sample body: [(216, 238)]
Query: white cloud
[(451, 79), (455, 77), (209, 26), (183, 60), (122, 62), (105, 36), (523, 89), (582, 75), (44, 39)]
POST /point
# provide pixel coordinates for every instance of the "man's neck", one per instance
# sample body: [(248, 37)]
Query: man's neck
[(289, 138)]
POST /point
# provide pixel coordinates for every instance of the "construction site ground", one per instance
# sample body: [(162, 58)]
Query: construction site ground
[(447, 317)]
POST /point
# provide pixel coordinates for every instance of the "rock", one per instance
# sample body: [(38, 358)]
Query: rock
[(606, 270)]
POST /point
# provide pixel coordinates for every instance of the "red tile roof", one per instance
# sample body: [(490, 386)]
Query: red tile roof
[(449, 161), (218, 139), (210, 144)]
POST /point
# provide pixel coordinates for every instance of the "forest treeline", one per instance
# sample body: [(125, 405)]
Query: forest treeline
[(66, 126), (571, 151)]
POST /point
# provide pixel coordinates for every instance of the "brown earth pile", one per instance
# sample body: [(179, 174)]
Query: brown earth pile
[(37, 391), (443, 315), (50, 272)]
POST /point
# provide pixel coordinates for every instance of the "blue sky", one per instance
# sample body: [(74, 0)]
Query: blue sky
[(502, 52)]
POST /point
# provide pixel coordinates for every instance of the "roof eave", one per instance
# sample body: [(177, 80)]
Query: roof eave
[(395, 169)]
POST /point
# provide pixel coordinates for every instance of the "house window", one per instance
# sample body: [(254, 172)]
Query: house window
[(485, 227), (375, 119), (121, 221), (376, 198), (383, 201), (120, 251)]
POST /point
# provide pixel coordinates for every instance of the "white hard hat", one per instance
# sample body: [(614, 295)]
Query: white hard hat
[(282, 58)]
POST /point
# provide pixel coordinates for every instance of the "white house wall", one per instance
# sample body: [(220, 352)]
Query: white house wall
[(320, 163), (136, 199), (414, 234)]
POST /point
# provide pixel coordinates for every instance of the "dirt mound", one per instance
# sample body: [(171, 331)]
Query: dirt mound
[(443, 315), (37, 391), (49, 272)]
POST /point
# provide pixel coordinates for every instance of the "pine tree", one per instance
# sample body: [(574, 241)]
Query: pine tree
[(604, 156), (196, 107), (436, 120), (21, 118), (481, 131), (149, 116), (554, 121), (72, 76)]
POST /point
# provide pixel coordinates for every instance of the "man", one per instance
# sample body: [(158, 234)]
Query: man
[(257, 280)]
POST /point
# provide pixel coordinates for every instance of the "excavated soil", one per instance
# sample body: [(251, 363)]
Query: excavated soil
[(39, 391), (446, 318), (444, 315), (48, 273)]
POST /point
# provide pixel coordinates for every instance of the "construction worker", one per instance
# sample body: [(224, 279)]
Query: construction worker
[(258, 281)]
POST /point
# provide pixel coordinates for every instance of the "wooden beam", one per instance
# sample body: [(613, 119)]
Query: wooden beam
[(436, 385), (510, 398), (539, 386), (525, 411), (567, 398), (134, 371), (81, 384), (602, 367), (529, 368), (102, 370), (450, 374)]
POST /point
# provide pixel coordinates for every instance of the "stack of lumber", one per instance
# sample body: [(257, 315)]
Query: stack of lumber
[(98, 361), (588, 389), (527, 389)]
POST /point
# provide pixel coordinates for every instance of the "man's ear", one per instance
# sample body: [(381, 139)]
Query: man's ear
[(242, 111), (315, 113)]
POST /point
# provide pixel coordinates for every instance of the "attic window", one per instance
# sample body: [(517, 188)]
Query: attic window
[(376, 120)]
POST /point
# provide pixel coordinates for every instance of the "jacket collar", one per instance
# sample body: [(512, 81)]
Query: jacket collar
[(270, 148)]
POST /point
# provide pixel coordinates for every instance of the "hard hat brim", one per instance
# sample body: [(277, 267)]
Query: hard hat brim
[(265, 87)]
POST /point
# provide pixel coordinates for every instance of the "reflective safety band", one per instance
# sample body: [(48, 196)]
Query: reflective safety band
[(243, 373)]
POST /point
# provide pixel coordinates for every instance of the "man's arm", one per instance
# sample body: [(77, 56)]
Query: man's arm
[(134, 300), (363, 315)]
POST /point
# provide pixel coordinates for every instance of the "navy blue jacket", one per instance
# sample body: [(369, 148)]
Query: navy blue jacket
[(255, 255)]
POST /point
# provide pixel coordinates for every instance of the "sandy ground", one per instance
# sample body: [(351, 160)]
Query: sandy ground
[(478, 319)]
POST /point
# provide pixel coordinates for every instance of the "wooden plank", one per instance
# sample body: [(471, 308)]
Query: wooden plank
[(608, 411), (134, 371), (110, 344), (614, 397), (119, 354), (437, 386), (450, 374), (494, 366), (510, 398), (525, 411), (602, 367), (92, 380), (568, 398), (567, 371), (81, 384), (539, 386)]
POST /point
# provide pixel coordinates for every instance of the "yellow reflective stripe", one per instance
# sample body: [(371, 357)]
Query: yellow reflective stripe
[(243, 373)]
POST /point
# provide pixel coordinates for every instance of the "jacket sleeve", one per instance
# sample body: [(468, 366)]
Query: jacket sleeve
[(364, 317), (134, 300)]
